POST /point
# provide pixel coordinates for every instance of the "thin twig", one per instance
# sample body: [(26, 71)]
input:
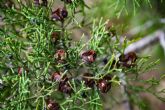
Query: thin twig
[(147, 41), (126, 101)]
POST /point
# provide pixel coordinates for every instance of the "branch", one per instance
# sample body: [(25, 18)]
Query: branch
[(126, 101), (150, 40)]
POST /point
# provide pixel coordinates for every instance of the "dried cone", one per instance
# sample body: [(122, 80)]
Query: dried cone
[(89, 82), (20, 70), (56, 76), (51, 105), (64, 85), (128, 59), (60, 55), (89, 56), (64, 13), (54, 36), (59, 14), (104, 84)]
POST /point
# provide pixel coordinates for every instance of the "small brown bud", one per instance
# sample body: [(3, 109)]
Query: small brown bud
[(128, 59), (60, 55), (56, 76), (20, 70), (59, 14), (89, 56), (89, 82), (54, 36), (104, 84), (65, 87), (52, 105)]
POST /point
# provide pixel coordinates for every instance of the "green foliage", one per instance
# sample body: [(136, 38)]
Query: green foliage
[(116, 8), (28, 58)]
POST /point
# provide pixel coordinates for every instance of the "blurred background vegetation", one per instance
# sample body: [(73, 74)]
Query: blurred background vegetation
[(128, 15), (125, 15)]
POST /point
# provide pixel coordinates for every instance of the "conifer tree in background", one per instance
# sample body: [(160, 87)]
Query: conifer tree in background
[(79, 54)]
